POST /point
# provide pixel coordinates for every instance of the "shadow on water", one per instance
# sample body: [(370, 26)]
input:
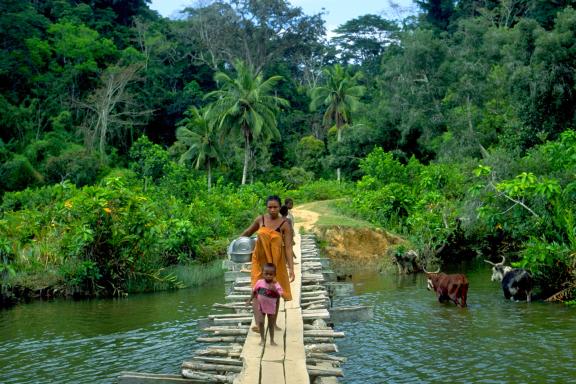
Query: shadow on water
[(91, 341), (413, 338)]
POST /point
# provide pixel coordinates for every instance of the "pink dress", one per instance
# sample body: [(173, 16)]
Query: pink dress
[(267, 296)]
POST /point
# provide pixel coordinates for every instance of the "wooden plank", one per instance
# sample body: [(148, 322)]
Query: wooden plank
[(276, 352), (152, 378), (199, 366), (229, 315), (325, 356), (203, 377), (272, 372), (314, 316), (221, 339), (251, 348), (218, 360), (250, 372), (294, 336), (236, 320), (295, 356), (296, 372), (324, 371), (238, 297), (270, 364), (323, 333)]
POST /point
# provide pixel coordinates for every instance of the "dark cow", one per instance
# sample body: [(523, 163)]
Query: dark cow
[(448, 287), (407, 262), (517, 283)]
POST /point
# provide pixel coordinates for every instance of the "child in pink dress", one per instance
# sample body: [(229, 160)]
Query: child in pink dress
[(266, 291)]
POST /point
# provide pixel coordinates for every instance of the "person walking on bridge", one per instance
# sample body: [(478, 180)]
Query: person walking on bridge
[(274, 245)]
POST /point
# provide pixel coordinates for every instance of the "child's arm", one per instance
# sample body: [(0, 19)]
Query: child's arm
[(279, 289), (249, 301)]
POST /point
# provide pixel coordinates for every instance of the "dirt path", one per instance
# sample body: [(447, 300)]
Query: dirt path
[(347, 240), (304, 218)]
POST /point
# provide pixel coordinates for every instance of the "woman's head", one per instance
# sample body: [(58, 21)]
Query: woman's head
[(273, 204), (289, 203)]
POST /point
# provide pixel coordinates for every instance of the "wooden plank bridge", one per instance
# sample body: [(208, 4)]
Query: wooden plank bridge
[(303, 342), (269, 364)]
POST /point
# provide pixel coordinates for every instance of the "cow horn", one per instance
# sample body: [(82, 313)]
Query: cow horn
[(489, 262), (502, 262), (425, 271)]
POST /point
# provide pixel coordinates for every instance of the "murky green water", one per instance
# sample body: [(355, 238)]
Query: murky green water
[(415, 339), (412, 339), (92, 341)]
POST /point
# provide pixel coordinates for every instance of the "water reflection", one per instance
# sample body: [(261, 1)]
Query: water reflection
[(92, 341), (415, 339)]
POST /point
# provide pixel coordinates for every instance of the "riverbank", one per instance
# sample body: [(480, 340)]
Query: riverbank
[(28, 287), (346, 240)]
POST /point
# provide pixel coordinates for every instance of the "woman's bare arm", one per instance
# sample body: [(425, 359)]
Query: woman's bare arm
[(252, 228)]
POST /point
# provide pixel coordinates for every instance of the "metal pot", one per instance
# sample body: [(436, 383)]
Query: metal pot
[(240, 257), (242, 244), (240, 249)]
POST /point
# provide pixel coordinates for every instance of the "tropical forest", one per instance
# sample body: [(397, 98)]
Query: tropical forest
[(134, 147)]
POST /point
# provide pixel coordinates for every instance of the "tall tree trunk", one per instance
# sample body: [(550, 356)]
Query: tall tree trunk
[(246, 159), (103, 133), (339, 139)]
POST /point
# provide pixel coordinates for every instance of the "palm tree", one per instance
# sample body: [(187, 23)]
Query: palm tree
[(198, 132), (341, 96), (244, 105)]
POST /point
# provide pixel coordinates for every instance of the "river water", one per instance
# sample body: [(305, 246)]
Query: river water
[(412, 339), (65, 341), (415, 339)]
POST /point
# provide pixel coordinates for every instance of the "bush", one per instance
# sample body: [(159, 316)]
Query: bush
[(321, 190), (80, 166), (52, 144), (17, 174), (296, 176), (150, 160)]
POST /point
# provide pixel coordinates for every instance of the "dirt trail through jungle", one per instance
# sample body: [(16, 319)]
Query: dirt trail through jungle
[(304, 218), (347, 244)]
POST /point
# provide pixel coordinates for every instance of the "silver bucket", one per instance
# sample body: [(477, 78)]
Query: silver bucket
[(240, 249)]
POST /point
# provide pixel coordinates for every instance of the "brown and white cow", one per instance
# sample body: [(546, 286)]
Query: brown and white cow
[(448, 287)]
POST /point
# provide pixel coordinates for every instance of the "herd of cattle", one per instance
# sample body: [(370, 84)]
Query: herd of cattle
[(517, 283)]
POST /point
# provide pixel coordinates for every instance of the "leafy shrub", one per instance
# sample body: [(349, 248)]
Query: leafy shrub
[(532, 210), (150, 160), (321, 190), (382, 166), (296, 176), (80, 166), (17, 173), (37, 198), (309, 152)]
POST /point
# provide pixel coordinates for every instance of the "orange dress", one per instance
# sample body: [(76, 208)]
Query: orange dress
[(270, 249)]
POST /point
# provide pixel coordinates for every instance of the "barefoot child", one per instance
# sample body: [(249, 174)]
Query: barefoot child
[(266, 291)]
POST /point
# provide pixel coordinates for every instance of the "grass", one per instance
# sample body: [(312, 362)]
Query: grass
[(330, 215), (195, 275), (180, 276)]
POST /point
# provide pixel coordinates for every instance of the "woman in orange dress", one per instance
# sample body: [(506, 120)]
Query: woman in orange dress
[(274, 245)]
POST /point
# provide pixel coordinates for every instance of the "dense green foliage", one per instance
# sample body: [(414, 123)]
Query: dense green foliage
[(453, 127)]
